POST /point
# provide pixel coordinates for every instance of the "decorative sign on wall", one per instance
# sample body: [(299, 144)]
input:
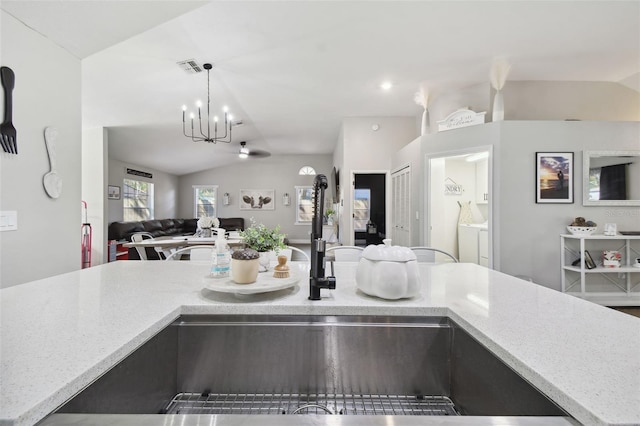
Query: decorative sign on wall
[(139, 173), (452, 188), (461, 118), (8, 133)]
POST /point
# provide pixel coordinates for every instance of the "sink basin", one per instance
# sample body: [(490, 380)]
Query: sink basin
[(322, 365)]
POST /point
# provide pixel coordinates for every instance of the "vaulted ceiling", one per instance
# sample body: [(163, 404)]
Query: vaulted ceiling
[(292, 70)]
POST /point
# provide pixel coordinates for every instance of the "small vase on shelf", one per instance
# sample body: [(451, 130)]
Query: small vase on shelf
[(206, 232)]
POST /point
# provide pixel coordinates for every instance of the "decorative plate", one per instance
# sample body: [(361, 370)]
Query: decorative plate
[(265, 283)]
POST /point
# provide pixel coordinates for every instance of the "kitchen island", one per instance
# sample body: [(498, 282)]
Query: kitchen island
[(59, 334)]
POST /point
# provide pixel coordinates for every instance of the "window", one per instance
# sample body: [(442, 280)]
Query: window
[(137, 201), (361, 209), (304, 204), (307, 170), (205, 198)]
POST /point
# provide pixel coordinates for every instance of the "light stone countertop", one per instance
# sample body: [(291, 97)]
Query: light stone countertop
[(59, 334)]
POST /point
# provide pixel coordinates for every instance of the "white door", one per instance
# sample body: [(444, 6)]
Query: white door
[(401, 216)]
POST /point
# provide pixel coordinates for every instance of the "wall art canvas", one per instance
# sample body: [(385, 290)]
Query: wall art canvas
[(114, 192), (257, 199), (554, 177)]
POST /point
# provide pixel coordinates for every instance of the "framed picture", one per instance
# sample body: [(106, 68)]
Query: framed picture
[(257, 199), (554, 177), (588, 261), (113, 192)]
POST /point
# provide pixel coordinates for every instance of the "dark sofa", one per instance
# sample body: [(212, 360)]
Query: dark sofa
[(122, 231)]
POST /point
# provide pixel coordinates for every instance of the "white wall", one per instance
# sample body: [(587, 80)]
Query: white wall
[(94, 184), (561, 100), (529, 241), (526, 234), (368, 149), (541, 100), (277, 172), (47, 93), (165, 187)]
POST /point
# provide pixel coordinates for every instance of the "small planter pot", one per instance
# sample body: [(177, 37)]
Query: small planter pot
[(244, 271)]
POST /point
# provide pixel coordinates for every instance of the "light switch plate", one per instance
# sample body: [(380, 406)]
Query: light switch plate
[(8, 220)]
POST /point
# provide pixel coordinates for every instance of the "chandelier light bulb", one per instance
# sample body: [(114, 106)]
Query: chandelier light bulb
[(230, 117), (192, 116), (225, 109), (199, 104), (215, 118), (184, 107)]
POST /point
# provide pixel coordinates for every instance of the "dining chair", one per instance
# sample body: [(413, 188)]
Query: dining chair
[(297, 250), (288, 251), (139, 237), (428, 254), (195, 253), (142, 251), (346, 253)]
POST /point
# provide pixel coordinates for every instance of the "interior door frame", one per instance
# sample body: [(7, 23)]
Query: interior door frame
[(387, 200), (427, 186), (411, 205)]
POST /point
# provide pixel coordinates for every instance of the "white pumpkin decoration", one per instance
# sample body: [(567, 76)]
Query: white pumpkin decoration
[(389, 272)]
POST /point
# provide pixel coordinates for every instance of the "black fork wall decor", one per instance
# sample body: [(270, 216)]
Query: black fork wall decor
[(7, 131)]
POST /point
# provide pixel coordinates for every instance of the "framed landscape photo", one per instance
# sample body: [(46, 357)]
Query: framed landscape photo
[(257, 199), (113, 192), (554, 177)]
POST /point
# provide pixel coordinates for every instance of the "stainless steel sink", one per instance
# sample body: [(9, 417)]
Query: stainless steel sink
[(229, 366)]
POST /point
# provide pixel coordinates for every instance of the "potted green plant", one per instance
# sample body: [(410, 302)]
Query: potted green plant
[(263, 240)]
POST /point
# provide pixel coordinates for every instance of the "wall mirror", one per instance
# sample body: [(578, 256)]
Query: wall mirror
[(611, 178)]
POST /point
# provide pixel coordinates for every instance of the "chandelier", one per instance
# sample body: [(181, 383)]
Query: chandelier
[(205, 133)]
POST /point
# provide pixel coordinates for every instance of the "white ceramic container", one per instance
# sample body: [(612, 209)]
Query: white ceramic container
[(388, 272)]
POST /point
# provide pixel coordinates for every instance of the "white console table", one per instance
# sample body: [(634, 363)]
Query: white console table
[(616, 286)]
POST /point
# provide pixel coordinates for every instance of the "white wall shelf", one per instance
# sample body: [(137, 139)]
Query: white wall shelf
[(620, 287)]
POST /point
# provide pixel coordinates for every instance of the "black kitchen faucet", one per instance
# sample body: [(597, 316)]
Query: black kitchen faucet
[(317, 280)]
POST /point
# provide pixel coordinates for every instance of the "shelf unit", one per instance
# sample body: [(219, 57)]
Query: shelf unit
[(623, 282)]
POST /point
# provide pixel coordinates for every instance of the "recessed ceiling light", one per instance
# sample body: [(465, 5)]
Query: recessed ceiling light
[(386, 85)]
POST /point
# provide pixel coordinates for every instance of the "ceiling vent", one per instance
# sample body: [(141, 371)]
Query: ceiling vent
[(190, 66)]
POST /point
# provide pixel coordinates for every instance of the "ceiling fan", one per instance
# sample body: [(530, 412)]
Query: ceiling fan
[(255, 153)]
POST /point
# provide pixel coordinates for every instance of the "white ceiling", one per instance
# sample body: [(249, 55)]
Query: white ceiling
[(292, 70)]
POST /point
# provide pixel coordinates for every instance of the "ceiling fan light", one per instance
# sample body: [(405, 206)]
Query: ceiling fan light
[(244, 151)]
